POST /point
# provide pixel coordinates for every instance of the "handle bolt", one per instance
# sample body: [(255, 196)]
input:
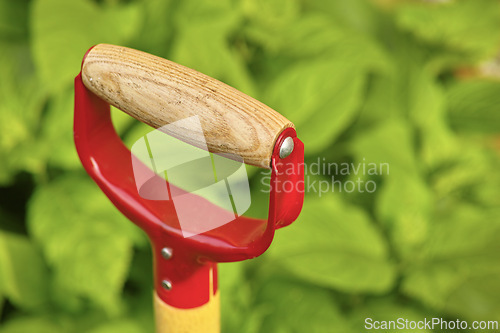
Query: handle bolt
[(166, 284), (286, 147), (166, 253)]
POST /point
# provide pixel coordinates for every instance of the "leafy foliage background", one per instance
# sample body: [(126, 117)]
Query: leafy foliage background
[(409, 83)]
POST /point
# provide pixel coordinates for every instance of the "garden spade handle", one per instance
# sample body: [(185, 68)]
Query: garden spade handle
[(157, 92)]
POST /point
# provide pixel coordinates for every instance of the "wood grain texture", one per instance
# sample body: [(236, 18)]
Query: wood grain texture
[(157, 92), (204, 319)]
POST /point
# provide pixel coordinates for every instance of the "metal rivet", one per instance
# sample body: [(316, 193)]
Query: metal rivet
[(166, 253), (286, 147), (166, 284)]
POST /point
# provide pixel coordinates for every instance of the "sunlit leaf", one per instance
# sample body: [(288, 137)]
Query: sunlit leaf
[(24, 275), (208, 25), (391, 143), (292, 306), (387, 309), (58, 132), (157, 25), (427, 107), (458, 264), (121, 326), (474, 106), (455, 24), (404, 205), (64, 30), (39, 324), (237, 300), (335, 245), (14, 19), (20, 109), (85, 239), (274, 14), (320, 98), (359, 15)]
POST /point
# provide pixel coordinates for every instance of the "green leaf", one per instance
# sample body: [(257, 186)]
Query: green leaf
[(23, 274), (404, 202), (56, 22), (335, 245), (308, 36), (275, 14), (14, 19), (487, 186), (359, 15), (427, 110), (224, 15), (382, 101), (86, 241), (474, 106), (158, 25), (404, 205), (476, 298), (57, 132), (458, 180), (294, 307), (39, 324), (138, 290), (267, 21), (314, 34), (56, 140), (387, 309), (392, 93), (320, 98), (122, 122), (455, 24), (208, 25), (458, 264), (118, 326), (239, 314), (391, 143), (22, 101)]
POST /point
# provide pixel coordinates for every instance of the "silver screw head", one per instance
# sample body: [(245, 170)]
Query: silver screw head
[(286, 147), (167, 253), (166, 284)]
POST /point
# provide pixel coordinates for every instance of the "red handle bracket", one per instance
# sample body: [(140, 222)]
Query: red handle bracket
[(108, 162)]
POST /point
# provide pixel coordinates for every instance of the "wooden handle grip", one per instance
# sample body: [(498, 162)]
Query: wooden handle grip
[(204, 319), (157, 92)]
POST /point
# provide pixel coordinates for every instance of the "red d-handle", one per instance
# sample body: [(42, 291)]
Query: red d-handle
[(191, 268)]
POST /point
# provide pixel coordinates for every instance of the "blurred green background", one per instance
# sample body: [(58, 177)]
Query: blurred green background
[(411, 83)]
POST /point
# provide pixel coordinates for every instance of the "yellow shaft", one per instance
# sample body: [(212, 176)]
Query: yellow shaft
[(204, 319)]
